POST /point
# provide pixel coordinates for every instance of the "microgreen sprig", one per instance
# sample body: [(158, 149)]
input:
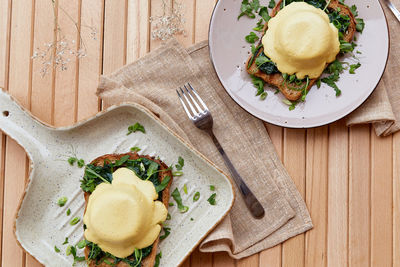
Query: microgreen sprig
[(97, 175), (136, 127)]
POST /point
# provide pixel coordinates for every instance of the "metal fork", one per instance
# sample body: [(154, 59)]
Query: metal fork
[(201, 117), (392, 8)]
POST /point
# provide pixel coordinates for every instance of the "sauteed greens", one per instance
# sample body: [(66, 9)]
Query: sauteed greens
[(97, 255), (333, 70), (144, 168)]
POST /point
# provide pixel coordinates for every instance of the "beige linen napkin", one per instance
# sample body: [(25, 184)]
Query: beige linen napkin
[(383, 107), (151, 81)]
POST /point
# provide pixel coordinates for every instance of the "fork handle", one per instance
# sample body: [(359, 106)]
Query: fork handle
[(252, 203)]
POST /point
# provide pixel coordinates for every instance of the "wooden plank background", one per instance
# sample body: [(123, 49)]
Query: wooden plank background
[(349, 178)]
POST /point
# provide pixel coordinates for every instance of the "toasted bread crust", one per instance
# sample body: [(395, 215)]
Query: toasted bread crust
[(150, 259), (276, 79)]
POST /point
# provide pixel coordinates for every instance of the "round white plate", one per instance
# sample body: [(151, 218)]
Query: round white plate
[(229, 52)]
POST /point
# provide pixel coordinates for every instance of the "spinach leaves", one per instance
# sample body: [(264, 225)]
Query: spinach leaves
[(271, 4), (144, 168), (340, 21), (252, 38), (331, 81), (254, 51), (98, 256), (136, 127), (353, 67), (317, 3), (360, 25), (265, 64), (164, 183), (259, 84), (248, 7)]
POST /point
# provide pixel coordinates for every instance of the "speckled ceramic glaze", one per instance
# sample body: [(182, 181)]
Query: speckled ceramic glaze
[(229, 52), (41, 224)]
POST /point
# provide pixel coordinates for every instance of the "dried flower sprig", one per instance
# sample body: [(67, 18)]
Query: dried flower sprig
[(170, 23), (60, 51)]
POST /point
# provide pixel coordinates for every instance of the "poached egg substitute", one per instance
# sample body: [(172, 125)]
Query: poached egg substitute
[(301, 40), (124, 215)]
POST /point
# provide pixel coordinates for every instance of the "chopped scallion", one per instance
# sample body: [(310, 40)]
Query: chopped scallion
[(177, 173), (185, 189), (74, 221), (61, 201), (211, 199), (196, 196)]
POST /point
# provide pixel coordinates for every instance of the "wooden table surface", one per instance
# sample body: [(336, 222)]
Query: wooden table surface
[(348, 177)]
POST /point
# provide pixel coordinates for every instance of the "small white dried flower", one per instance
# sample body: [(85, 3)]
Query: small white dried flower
[(170, 23), (59, 53)]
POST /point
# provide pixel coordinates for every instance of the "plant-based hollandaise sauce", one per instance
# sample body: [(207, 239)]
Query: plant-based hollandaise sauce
[(301, 40), (124, 215)]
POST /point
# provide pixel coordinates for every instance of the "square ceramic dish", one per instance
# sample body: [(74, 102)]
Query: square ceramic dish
[(41, 224)]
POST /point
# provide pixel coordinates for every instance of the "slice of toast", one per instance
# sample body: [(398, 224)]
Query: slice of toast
[(276, 79), (150, 259)]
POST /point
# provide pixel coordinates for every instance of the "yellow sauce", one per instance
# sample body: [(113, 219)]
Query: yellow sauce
[(124, 215), (301, 40)]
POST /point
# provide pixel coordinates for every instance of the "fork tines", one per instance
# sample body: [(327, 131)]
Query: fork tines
[(193, 99)]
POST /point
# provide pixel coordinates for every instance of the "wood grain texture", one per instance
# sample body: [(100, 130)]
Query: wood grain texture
[(90, 67), (189, 15), (66, 84), (158, 8), (349, 178), (360, 196), (249, 261), (381, 200), (5, 16), (42, 84), (273, 257), (14, 181), (138, 29), (198, 259), (338, 190), (2, 169), (223, 259), (204, 10), (316, 195), (15, 158), (114, 35), (5, 23), (396, 200), (294, 159)]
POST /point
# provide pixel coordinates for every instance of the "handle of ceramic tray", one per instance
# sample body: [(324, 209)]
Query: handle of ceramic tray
[(22, 127)]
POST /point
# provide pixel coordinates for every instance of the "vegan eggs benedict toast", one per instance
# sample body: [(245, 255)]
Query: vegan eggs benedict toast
[(299, 42), (126, 202), (124, 215)]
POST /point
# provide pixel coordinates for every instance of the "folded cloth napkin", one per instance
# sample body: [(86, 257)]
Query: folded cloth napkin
[(152, 80), (382, 109)]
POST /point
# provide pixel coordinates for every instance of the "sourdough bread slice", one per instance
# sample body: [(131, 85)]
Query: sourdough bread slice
[(150, 259)]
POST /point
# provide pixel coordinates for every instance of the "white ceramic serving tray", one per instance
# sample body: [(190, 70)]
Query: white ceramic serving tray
[(229, 52), (41, 224)]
